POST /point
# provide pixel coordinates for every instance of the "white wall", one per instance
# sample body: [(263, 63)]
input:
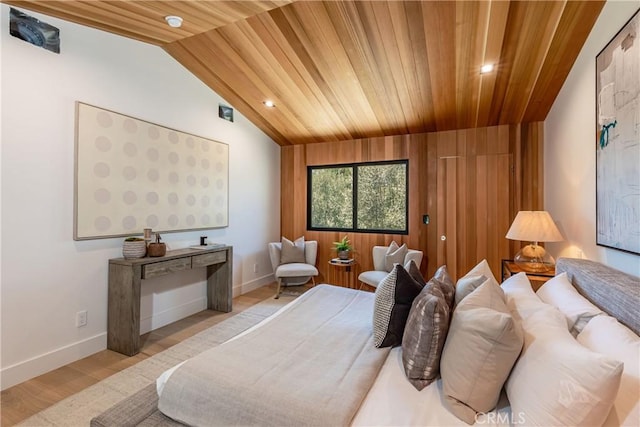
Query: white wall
[(46, 276), (569, 150)]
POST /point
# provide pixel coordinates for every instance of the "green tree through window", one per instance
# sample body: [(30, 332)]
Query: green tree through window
[(365, 197)]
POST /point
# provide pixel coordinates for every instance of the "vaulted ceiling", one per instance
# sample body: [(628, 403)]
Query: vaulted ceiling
[(340, 70)]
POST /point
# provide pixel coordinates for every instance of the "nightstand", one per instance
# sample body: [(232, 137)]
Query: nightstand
[(509, 268), (343, 273)]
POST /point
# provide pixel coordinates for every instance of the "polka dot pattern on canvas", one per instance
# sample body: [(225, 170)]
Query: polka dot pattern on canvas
[(103, 144), (129, 173), (101, 170), (130, 126), (134, 174)]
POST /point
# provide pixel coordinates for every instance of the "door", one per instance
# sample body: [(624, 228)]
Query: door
[(473, 199)]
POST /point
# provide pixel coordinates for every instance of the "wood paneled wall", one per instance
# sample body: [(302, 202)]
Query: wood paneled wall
[(470, 182)]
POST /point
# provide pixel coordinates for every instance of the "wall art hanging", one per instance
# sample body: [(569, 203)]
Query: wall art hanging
[(618, 140), (131, 174)]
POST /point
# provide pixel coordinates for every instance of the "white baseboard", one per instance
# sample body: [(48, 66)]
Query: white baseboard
[(22, 371), (253, 284), (158, 320), (38, 365)]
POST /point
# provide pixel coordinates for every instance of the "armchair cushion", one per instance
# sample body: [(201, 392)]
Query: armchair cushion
[(296, 269), (292, 252), (373, 277), (395, 255)]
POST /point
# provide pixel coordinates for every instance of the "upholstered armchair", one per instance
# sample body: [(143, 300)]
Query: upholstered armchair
[(380, 270), (293, 273)]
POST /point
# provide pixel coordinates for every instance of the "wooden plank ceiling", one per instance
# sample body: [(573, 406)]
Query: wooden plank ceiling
[(343, 70)]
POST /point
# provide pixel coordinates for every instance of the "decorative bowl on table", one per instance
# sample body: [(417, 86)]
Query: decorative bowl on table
[(134, 247), (157, 249)]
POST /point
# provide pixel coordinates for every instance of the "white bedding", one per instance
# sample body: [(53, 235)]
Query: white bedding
[(392, 400)]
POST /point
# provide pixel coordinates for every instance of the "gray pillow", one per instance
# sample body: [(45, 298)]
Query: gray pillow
[(292, 252), (392, 303), (466, 285), (425, 335), (474, 278)]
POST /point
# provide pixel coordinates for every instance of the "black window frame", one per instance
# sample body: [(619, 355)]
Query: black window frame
[(354, 195)]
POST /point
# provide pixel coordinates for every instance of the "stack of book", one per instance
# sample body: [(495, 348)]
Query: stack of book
[(342, 261)]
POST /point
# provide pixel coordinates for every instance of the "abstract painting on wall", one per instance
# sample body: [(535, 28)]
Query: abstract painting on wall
[(131, 174), (618, 140)]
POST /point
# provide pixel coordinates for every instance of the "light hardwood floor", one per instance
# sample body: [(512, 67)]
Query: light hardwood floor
[(23, 400)]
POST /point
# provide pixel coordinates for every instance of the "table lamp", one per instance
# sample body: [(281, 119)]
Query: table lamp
[(534, 226)]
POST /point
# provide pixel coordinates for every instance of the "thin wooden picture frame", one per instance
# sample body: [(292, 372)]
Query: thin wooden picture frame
[(131, 174)]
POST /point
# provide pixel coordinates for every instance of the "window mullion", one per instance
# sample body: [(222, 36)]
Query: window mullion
[(355, 198)]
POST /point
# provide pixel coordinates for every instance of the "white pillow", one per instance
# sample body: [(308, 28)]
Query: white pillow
[(520, 295), (560, 293), (605, 335), (556, 381), (478, 275)]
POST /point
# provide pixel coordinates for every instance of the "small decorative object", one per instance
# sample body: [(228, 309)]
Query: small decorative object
[(203, 240), (344, 248), (157, 248), (225, 112), (534, 226), (618, 140), (134, 247)]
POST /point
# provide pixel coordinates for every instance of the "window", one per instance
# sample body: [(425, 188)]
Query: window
[(363, 197)]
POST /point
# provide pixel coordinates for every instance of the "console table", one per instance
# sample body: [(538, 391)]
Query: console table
[(125, 276)]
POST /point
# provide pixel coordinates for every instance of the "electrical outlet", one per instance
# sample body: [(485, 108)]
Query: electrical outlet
[(255, 268), (81, 318)]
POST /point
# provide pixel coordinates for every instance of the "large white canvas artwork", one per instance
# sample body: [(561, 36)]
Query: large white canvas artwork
[(132, 174), (618, 140)]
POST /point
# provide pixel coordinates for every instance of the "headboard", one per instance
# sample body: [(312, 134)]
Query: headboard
[(613, 291)]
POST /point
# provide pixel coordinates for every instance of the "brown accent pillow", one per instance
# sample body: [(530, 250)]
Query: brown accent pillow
[(483, 343), (292, 251), (425, 335), (447, 286), (415, 273), (393, 299)]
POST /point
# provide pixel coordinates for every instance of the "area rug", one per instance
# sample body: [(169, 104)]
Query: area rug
[(79, 409)]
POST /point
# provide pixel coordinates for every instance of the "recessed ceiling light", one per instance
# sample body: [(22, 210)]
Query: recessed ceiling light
[(487, 68), (269, 103), (173, 21)]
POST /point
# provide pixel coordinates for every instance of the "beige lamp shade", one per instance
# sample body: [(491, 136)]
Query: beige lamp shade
[(534, 226)]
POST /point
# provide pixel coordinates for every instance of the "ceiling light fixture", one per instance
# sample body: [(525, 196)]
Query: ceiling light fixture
[(486, 68), (173, 21), (269, 103)]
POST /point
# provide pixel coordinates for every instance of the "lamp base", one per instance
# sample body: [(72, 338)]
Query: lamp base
[(534, 259)]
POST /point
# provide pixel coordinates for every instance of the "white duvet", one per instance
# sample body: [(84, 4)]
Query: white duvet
[(392, 400)]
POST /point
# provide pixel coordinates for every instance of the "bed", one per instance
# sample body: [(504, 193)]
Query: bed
[(388, 398)]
